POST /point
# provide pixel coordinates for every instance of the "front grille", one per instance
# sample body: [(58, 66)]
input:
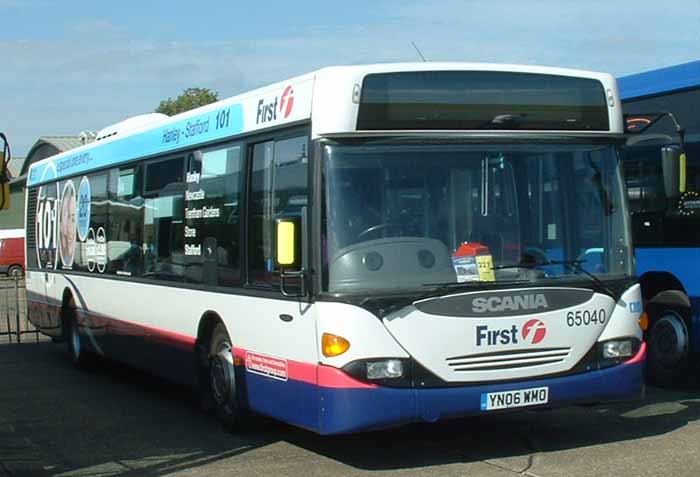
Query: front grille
[(507, 359)]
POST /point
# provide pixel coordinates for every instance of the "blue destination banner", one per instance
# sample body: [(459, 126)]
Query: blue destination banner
[(217, 124)]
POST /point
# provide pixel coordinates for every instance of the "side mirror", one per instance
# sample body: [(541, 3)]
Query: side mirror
[(288, 250), (4, 184), (4, 196), (673, 163)]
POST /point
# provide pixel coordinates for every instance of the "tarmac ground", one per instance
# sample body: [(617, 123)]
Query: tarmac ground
[(55, 420)]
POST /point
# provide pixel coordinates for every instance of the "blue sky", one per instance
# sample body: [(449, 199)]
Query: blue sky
[(70, 65)]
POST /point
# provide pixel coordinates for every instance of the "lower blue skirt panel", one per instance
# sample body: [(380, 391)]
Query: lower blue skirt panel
[(352, 410), (329, 410)]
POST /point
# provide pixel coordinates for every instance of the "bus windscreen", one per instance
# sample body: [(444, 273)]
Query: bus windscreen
[(481, 100)]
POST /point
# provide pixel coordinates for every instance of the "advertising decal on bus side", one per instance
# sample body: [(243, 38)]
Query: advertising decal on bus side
[(289, 103)]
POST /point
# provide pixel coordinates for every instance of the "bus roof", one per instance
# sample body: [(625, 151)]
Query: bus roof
[(659, 81), (326, 94)]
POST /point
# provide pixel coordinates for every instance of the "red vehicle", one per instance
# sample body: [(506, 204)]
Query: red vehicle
[(12, 256)]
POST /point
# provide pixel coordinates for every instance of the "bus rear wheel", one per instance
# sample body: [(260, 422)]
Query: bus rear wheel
[(80, 358), (222, 388), (668, 352)]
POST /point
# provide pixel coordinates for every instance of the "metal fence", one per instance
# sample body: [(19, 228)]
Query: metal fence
[(14, 323)]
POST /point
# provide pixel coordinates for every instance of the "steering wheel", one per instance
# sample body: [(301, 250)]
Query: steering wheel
[(377, 227), (539, 255)]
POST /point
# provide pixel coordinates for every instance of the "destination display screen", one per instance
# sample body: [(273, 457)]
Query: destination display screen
[(481, 100)]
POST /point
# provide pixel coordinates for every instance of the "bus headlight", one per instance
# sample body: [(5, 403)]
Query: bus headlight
[(392, 372), (617, 349), (385, 369)]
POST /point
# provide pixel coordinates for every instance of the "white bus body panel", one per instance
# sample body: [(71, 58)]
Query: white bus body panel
[(326, 96), (443, 344), (625, 320), (367, 335), (253, 323), (334, 111)]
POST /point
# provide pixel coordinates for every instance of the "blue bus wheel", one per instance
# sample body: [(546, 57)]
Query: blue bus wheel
[(668, 349)]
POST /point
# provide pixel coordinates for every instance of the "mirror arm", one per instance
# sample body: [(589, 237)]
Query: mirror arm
[(301, 275), (657, 116)]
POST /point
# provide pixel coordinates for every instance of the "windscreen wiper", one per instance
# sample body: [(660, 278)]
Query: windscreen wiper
[(530, 265), (474, 283), (573, 266)]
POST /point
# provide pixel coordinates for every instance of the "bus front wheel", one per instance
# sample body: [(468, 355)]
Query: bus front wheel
[(668, 352), (222, 377)]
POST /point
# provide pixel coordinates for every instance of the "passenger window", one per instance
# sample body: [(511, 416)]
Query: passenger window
[(212, 211), (163, 229), (278, 188), (126, 218)]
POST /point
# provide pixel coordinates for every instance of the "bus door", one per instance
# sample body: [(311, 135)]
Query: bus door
[(282, 329)]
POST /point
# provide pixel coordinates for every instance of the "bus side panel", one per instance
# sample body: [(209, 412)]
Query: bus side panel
[(275, 343), (43, 311), (154, 327), (294, 400), (682, 263)]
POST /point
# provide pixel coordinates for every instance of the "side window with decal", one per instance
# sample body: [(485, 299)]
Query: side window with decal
[(46, 218), (212, 222), (91, 223), (67, 223)]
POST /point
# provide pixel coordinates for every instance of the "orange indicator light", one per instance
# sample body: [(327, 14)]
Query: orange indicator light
[(644, 321), (333, 345)]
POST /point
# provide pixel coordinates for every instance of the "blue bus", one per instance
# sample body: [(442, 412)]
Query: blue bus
[(666, 217)]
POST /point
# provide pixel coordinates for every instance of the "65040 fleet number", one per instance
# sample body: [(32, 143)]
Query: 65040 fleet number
[(585, 317)]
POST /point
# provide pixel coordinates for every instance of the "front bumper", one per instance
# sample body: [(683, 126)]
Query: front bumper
[(344, 410)]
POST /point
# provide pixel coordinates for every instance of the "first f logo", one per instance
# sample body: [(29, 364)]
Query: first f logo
[(535, 327), (287, 101)]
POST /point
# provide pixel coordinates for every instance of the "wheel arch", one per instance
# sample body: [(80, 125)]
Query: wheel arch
[(205, 328), (207, 323), (663, 288), (66, 299)]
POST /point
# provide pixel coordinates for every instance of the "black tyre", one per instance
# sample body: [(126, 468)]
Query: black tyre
[(14, 271), (80, 358), (221, 383), (668, 343)]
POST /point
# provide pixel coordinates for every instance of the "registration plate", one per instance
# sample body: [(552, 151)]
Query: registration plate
[(515, 398)]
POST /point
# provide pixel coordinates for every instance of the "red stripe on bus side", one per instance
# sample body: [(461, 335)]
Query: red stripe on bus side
[(173, 338), (129, 328), (316, 374)]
